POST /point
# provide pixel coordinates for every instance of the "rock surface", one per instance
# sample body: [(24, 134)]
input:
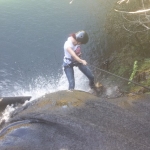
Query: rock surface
[(77, 120)]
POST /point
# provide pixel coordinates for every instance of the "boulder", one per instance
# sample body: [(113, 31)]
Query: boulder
[(77, 120)]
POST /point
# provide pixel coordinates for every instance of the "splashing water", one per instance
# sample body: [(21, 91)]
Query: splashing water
[(71, 2), (41, 86), (7, 113)]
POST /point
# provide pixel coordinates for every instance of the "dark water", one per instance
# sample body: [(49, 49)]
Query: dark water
[(32, 37)]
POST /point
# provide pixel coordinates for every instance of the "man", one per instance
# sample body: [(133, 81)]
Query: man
[(72, 57)]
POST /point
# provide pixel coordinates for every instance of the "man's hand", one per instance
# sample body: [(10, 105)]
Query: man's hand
[(84, 62)]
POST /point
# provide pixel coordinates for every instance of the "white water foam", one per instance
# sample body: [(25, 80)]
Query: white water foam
[(7, 113), (41, 86)]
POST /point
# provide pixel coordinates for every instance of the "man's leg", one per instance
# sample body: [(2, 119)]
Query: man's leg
[(70, 76), (88, 73)]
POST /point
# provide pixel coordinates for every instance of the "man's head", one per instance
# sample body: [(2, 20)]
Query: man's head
[(82, 37)]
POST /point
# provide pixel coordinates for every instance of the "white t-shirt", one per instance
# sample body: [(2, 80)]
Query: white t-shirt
[(67, 57)]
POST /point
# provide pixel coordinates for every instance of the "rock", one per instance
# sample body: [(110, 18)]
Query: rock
[(87, 122)]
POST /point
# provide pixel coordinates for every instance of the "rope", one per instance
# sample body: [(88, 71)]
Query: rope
[(121, 77)]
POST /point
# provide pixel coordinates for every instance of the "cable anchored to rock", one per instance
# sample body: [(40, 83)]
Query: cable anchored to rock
[(121, 77)]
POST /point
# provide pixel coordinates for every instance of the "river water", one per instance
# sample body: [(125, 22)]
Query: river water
[(32, 38)]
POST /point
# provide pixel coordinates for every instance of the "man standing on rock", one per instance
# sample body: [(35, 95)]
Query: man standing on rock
[(72, 57)]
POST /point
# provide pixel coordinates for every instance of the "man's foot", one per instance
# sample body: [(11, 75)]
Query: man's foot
[(71, 90), (97, 89)]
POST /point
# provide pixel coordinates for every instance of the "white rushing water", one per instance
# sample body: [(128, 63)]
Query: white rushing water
[(41, 86)]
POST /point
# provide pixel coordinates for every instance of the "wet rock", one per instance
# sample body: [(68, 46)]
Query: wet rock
[(87, 122), (113, 92)]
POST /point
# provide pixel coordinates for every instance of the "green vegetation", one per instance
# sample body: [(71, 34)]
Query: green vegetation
[(135, 66), (132, 41)]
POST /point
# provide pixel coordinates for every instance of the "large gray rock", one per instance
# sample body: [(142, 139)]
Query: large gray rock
[(78, 121)]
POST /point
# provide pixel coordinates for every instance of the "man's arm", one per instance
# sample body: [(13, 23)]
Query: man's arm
[(73, 54)]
